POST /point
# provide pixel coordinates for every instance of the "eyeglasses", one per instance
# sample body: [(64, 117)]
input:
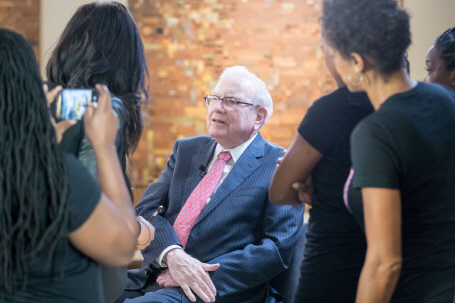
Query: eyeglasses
[(228, 102)]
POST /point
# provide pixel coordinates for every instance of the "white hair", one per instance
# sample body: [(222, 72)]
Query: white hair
[(262, 96)]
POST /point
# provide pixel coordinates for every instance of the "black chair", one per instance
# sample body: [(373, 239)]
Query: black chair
[(286, 283)]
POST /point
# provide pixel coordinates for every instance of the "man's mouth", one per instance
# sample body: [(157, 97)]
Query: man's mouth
[(218, 121)]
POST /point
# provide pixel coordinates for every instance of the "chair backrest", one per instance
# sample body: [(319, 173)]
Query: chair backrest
[(286, 283)]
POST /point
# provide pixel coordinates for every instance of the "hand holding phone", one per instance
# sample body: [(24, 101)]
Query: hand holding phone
[(101, 124), (71, 103), (61, 126)]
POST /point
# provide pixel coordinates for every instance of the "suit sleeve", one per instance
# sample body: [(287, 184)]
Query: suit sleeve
[(258, 263), (156, 195)]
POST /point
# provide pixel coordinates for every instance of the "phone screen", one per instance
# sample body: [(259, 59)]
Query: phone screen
[(73, 102)]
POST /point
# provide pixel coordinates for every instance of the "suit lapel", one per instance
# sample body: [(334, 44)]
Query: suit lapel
[(244, 167)]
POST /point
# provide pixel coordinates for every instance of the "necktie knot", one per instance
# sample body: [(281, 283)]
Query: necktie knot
[(225, 156)]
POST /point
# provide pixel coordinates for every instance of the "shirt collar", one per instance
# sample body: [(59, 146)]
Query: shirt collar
[(237, 151)]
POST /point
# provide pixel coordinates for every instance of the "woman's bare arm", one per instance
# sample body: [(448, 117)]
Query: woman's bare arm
[(380, 273), (296, 166)]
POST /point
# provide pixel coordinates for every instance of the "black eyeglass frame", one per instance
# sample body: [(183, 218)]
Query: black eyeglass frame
[(222, 101)]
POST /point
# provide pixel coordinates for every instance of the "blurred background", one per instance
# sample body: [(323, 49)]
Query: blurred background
[(188, 43)]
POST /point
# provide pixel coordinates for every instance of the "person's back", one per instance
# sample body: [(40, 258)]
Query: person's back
[(318, 162), (422, 151), (41, 195), (101, 44), (55, 223), (65, 274)]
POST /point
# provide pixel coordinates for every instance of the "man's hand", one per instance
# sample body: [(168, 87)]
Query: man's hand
[(62, 126), (165, 280), (191, 274)]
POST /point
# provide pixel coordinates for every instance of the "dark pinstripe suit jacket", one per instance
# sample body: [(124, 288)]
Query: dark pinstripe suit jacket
[(252, 239)]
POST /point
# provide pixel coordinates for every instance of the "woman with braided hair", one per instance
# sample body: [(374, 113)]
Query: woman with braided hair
[(55, 222), (440, 60)]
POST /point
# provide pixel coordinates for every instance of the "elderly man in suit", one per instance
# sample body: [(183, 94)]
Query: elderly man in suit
[(219, 239)]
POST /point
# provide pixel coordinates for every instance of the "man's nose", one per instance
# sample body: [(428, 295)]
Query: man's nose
[(220, 105)]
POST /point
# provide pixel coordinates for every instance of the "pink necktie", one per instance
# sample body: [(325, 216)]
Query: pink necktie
[(193, 206)]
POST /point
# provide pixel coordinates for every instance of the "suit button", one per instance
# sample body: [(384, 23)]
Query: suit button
[(146, 271)]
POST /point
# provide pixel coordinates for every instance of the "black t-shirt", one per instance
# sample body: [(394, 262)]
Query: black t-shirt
[(72, 276), (334, 240), (409, 144), (75, 142)]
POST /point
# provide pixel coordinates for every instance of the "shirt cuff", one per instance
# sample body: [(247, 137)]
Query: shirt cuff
[(159, 261)]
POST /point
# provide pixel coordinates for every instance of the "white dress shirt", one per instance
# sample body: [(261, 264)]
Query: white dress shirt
[(236, 152)]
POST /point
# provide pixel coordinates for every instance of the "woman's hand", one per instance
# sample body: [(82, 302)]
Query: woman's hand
[(51, 95), (146, 233), (63, 125), (101, 124), (304, 189)]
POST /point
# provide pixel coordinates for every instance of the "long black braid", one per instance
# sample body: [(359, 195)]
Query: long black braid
[(33, 175), (445, 44)]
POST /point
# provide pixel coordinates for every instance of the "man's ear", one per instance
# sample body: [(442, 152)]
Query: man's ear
[(261, 114)]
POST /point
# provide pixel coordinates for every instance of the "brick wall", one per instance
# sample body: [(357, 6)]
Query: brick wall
[(189, 43), (22, 16)]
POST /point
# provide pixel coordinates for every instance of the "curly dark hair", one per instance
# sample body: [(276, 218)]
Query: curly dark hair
[(445, 45), (34, 182), (378, 30)]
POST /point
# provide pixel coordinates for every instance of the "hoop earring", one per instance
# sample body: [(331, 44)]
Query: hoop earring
[(357, 83)]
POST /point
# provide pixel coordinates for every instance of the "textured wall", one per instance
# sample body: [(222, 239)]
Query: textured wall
[(190, 42), (22, 16)]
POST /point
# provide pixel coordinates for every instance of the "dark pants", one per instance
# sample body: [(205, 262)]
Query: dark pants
[(164, 295), (152, 293)]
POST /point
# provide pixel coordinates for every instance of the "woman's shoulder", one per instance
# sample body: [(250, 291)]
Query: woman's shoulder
[(341, 100), (334, 98), (438, 91), (119, 108)]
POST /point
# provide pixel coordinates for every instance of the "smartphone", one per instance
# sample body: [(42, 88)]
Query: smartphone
[(71, 103), (160, 209)]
